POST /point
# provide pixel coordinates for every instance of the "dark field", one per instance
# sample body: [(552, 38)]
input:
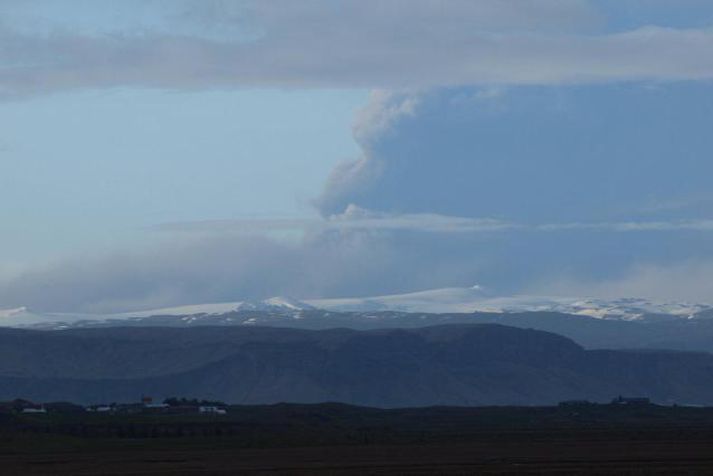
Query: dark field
[(338, 439), (651, 451)]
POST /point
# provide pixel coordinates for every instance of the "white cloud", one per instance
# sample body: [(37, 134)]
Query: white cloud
[(352, 219), (355, 218), (364, 44), (384, 110)]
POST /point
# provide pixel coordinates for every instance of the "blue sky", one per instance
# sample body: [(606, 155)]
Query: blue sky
[(97, 168), (165, 152)]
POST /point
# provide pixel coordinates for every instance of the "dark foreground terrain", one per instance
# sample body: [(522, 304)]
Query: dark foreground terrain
[(340, 439), (461, 365)]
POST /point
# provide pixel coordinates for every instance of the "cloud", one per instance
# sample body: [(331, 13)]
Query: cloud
[(359, 253), (592, 181), (364, 44), (179, 271), (687, 280), (226, 267), (353, 219), (533, 155), (642, 226), (356, 218)]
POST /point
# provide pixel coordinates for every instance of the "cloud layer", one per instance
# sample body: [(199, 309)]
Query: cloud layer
[(349, 43), (224, 267)]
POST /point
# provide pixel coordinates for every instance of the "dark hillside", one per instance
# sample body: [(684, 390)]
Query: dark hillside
[(465, 365)]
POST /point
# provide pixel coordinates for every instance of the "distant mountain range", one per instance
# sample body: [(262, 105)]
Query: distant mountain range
[(483, 364), (437, 301), (594, 324), (477, 299)]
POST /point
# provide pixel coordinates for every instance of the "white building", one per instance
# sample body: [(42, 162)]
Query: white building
[(156, 405)]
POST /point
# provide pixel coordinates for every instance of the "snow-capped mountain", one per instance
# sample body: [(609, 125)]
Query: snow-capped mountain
[(277, 304), (476, 299), (23, 317), (437, 301), (10, 313), (282, 306)]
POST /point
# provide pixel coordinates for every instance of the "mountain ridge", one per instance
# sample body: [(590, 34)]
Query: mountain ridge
[(479, 364), (436, 301)]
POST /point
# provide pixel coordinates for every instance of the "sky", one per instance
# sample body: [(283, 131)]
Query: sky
[(157, 153)]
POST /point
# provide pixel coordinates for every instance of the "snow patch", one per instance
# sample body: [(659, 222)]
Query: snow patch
[(476, 299), (435, 301)]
